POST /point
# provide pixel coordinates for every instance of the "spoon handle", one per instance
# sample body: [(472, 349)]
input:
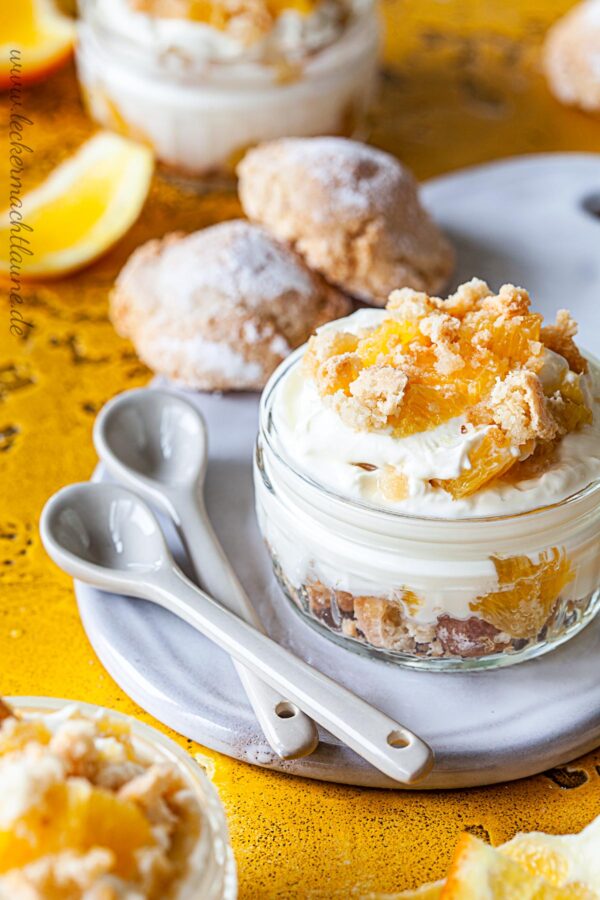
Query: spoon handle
[(289, 731), (390, 747)]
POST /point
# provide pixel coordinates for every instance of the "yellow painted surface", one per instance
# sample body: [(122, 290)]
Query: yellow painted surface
[(461, 85)]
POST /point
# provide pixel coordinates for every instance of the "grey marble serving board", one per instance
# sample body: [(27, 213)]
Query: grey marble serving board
[(523, 220)]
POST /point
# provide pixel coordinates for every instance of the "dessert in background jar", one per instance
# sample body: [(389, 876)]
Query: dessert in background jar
[(94, 804), (202, 80), (427, 479)]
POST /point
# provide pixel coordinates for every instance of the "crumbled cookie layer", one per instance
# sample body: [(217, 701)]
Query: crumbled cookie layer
[(351, 211), (476, 354), (530, 602)]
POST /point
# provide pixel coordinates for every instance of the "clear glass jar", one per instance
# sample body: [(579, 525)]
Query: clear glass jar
[(211, 873), (201, 112), (425, 592)]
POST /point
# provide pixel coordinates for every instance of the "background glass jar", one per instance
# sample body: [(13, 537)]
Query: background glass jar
[(201, 112), (211, 872), (429, 593)]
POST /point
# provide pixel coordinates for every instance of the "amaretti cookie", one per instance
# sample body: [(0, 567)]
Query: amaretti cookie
[(219, 309), (572, 57), (351, 211)]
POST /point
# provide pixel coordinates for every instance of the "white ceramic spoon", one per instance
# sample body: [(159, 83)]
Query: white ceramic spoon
[(107, 536), (155, 442)]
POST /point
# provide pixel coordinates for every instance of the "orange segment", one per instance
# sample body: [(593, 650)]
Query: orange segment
[(424, 407), (393, 484), (323, 346), (538, 859), (574, 411), (384, 339), (81, 210), (23, 732), (217, 14), (430, 398), (511, 337), (527, 592), (533, 865), (338, 373), (213, 14), (76, 816), (303, 7), (412, 601), (35, 39), (490, 459), (479, 871)]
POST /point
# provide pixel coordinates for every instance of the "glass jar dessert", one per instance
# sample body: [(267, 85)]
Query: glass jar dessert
[(202, 80), (95, 802), (428, 480)]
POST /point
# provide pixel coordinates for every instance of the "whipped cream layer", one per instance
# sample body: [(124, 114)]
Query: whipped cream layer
[(317, 441), (180, 43)]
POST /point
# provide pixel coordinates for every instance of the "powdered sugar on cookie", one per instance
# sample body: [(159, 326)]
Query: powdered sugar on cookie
[(351, 211), (219, 309)]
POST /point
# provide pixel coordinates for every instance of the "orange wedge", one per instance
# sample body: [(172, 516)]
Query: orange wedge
[(77, 816), (35, 39), (532, 866), (479, 872), (82, 208)]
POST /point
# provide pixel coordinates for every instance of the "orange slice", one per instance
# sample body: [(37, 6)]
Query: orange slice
[(82, 208), (393, 484), (35, 39), (533, 866), (76, 816), (511, 337), (490, 459), (479, 871), (574, 410), (527, 593), (383, 340), (15, 739)]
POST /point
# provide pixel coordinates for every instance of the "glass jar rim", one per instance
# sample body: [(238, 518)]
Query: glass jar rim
[(267, 428), (214, 821)]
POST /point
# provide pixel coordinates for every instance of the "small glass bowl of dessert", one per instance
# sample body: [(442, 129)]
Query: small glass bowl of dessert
[(202, 80), (95, 803), (427, 480)]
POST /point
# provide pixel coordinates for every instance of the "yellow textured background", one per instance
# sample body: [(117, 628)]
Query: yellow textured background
[(461, 85)]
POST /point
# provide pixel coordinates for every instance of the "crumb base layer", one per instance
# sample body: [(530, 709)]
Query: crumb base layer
[(583, 613)]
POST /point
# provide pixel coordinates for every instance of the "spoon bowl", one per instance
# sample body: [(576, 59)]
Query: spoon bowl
[(104, 527), (153, 435)]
